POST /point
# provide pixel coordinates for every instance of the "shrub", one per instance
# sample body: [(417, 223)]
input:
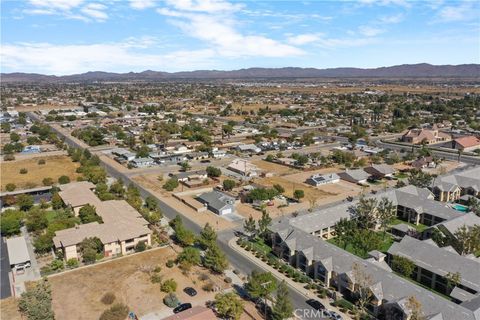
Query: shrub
[(228, 280), (118, 311), (169, 286), (23, 171), (108, 298), (63, 180), (47, 181), (72, 263), (156, 278), (10, 187), (171, 184), (203, 277), (208, 287), (9, 157), (170, 264), (41, 161), (141, 246), (171, 300), (157, 269)]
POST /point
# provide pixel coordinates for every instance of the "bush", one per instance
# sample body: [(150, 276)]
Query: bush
[(170, 264), (10, 187), (228, 280), (108, 298), (157, 269), (63, 180), (169, 286), (141, 246), (203, 277), (23, 171), (47, 181), (171, 184), (9, 157), (171, 300), (156, 278), (118, 311), (41, 161), (72, 263), (208, 287)]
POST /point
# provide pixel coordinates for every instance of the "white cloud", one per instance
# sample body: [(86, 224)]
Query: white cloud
[(401, 3), (142, 4), (95, 11), (56, 4), (391, 19), (369, 31), (213, 22), (70, 9), (122, 56), (462, 12), (302, 39)]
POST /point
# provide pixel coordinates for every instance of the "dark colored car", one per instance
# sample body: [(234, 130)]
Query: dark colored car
[(205, 161), (182, 307), (315, 304), (190, 291)]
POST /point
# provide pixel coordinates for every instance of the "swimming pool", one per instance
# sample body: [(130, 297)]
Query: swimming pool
[(460, 207)]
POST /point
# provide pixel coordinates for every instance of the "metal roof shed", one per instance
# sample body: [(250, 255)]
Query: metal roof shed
[(17, 251)]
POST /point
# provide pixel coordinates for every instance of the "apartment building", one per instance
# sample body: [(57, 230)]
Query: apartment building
[(122, 229), (452, 186)]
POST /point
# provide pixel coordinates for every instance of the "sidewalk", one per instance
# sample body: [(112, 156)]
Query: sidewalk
[(299, 287)]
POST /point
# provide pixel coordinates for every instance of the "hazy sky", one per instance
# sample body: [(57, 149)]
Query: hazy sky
[(74, 36)]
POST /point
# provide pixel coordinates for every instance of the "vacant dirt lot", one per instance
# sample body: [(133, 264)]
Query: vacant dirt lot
[(275, 168), (54, 167), (9, 309), (77, 294)]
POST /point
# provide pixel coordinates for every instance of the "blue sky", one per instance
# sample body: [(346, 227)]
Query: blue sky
[(73, 36)]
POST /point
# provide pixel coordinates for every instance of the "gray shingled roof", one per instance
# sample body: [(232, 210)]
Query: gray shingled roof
[(393, 287), (438, 260), (216, 199)]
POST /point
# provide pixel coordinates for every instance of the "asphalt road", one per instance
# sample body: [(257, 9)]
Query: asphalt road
[(5, 291), (237, 260)]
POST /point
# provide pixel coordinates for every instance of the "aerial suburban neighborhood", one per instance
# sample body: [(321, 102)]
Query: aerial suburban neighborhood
[(235, 191)]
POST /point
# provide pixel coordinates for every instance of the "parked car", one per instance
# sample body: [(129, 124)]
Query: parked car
[(334, 316), (182, 307), (205, 161), (190, 291), (315, 304)]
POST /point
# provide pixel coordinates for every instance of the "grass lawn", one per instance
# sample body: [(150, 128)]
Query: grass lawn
[(260, 245), (383, 247), (401, 175), (419, 228)]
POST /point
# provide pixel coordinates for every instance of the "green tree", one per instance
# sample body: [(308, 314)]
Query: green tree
[(208, 236), (14, 137), (63, 179), (279, 188), (88, 214), (386, 212), (190, 256), (89, 248), (282, 308), (169, 286), (228, 305), (365, 212), (298, 194), (11, 222), (453, 279), (345, 230), (213, 172), (250, 226), (36, 303), (47, 181), (261, 285), (171, 184), (403, 265), (57, 202), (184, 236), (215, 259), (151, 203), (185, 166), (25, 202), (36, 219), (264, 223), (420, 179), (228, 184), (415, 307), (467, 239)]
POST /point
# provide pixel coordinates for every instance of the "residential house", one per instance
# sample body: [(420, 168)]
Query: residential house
[(31, 149), (380, 171), (355, 176), (427, 136), (218, 202), (424, 162), (466, 144), (194, 313), (243, 167), (18, 254), (248, 148), (321, 179), (142, 162)]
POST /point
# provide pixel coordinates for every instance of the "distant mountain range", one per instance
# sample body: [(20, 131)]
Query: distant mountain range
[(422, 70)]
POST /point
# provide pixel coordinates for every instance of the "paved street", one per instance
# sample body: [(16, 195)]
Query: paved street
[(5, 290)]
